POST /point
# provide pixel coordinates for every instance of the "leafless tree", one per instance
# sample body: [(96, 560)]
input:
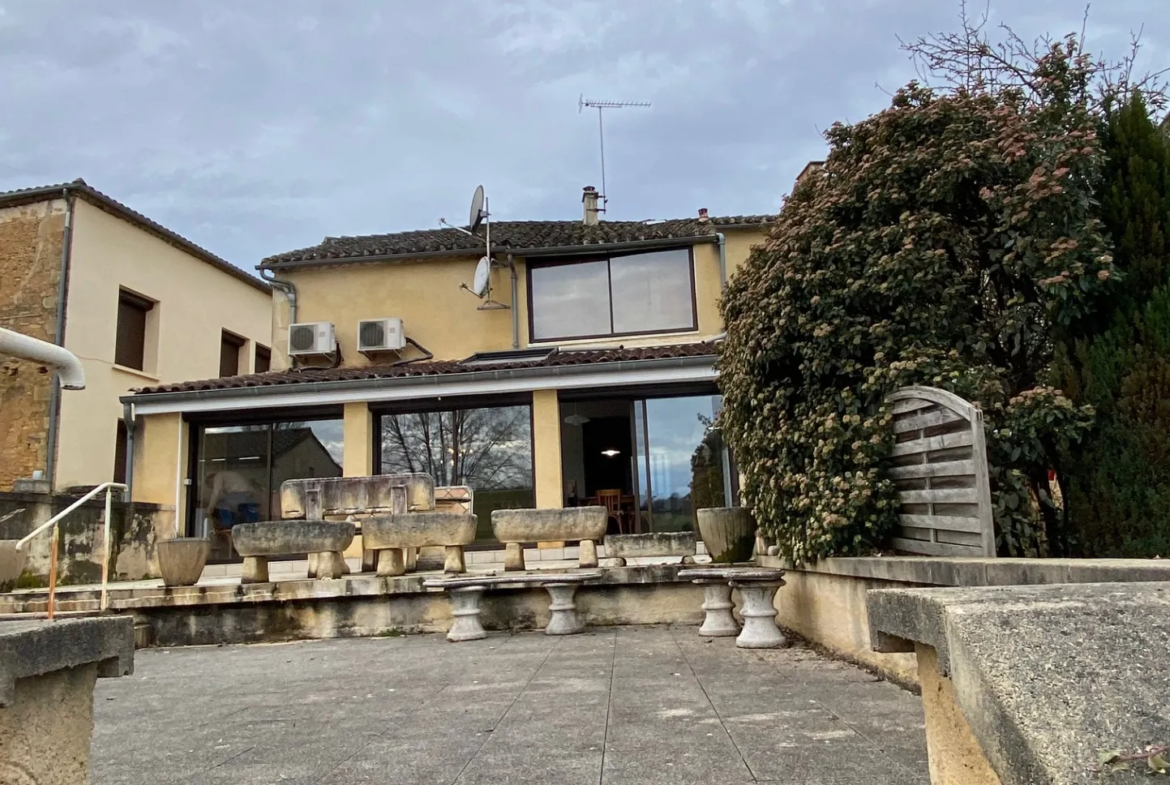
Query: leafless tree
[(483, 448), (980, 57)]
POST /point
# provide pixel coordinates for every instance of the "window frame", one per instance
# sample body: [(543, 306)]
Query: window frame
[(239, 342), (538, 264), (143, 305), (258, 350)]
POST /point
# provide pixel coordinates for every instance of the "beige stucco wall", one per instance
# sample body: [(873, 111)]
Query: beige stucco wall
[(425, 294), (161, 443), (195, 303)]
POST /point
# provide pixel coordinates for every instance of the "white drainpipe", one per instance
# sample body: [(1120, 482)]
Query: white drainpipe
[(63, 361)]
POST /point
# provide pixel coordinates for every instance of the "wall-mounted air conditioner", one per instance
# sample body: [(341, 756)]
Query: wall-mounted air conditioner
[(381, 335), (311, 338)]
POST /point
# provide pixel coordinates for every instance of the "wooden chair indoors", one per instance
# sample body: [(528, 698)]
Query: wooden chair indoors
[(612, 501)]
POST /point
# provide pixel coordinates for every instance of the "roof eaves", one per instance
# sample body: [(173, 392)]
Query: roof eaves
[(419, 380), (119, 210)]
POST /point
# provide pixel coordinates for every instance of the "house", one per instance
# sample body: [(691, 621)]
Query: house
[(139, 304), (575, 367)]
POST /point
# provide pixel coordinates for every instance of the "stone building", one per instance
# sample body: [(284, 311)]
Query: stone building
[(138, 303)]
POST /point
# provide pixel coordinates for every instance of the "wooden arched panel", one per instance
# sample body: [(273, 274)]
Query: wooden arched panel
[(939, 464)]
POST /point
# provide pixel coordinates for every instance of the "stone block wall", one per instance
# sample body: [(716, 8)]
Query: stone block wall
[(134, 531), (31, 237)]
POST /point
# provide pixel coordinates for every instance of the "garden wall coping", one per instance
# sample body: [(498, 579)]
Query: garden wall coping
[(1046, 676)]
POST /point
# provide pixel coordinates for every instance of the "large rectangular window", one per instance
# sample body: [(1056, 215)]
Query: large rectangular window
[(239, 470), (619, 295), (130, 346), (488, 449)]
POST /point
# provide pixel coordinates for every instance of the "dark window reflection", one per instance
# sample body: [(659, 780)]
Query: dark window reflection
[(488, 449)]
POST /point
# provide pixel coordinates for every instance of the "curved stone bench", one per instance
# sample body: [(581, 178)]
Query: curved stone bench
[(323, 541), (466, 594), (514, 528), (392, 535), (757, 586), (655, 544)]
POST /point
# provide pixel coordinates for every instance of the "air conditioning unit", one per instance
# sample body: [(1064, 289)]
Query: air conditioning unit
[(381, 335), (309, 338)]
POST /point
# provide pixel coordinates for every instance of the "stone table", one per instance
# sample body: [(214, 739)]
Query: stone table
[(47, 674), (466, 594)]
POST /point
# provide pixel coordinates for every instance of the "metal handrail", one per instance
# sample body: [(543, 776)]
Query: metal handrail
[(108, 487)]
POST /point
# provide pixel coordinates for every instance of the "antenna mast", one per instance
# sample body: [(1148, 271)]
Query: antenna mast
[(582, 103)]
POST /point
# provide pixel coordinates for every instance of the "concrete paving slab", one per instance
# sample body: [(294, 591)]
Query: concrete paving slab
[(639, 705)]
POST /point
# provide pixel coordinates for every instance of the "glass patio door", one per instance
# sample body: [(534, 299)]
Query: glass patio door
[(681, 462)]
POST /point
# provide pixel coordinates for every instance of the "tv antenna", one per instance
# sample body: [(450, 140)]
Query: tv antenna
[(601, 106), (481, 285)]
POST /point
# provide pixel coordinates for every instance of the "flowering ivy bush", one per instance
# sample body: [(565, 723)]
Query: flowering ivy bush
[(943, 243)]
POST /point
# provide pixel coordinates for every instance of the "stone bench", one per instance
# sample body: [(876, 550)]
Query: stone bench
[(657, 544), (1028, 684), (515, 528), (392, 535), (47, 674), (323, 541), (467, 592), (757, 586)]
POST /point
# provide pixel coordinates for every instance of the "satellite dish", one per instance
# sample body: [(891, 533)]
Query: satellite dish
[(483, 277), (477, 214)]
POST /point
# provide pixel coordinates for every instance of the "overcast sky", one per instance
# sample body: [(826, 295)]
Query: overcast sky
[(259, 126)]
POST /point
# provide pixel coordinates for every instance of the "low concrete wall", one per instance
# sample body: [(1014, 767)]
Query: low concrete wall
[(134, 530), (826, 602), (365, 605)]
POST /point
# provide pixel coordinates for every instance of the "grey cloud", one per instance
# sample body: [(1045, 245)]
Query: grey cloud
[(262, 126)]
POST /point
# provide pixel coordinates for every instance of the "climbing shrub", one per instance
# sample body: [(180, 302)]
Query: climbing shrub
[(943, 242)]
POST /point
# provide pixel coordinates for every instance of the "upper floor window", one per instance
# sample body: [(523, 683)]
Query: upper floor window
[(618, 295), (229, 354), (133, 312), (263, 359)]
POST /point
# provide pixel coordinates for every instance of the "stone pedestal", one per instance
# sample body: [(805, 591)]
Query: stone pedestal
[(588, 554), (465, 614), (563, 617), (718, 621), (47, 673), (453, 562), (331, 565), (514, 557), (391, 562), (255, 569), (759, 615)]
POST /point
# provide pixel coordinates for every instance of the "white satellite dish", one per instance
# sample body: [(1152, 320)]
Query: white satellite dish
[(483, 277), (477, 212)]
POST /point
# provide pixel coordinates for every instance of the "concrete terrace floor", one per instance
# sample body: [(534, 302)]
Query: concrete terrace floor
[(618, 705)]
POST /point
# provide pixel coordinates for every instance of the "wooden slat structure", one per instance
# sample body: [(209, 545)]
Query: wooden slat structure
[(939, 464)]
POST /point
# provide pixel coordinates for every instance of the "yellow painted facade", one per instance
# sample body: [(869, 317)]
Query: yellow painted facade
[(445, 319), (439, 315), (194, 303)]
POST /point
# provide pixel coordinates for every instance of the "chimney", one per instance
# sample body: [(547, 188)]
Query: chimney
[(703, 215), (589, 199)]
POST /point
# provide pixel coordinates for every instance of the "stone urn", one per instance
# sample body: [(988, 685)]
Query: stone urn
[(729, 533), (181, 560), (11, 562)]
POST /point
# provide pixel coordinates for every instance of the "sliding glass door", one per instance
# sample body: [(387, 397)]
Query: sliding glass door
[(680, 460)]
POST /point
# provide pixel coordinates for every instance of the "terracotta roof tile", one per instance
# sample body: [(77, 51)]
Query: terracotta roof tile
[(434, 368)]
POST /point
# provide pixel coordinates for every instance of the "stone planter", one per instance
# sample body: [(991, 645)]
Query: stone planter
[(393, 535), (181, 560), (728, 532), (514, 528), (11, 561)]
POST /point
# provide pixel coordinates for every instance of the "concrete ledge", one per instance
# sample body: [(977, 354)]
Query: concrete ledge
[(1045, 676), (955, 571), (35, 648)]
